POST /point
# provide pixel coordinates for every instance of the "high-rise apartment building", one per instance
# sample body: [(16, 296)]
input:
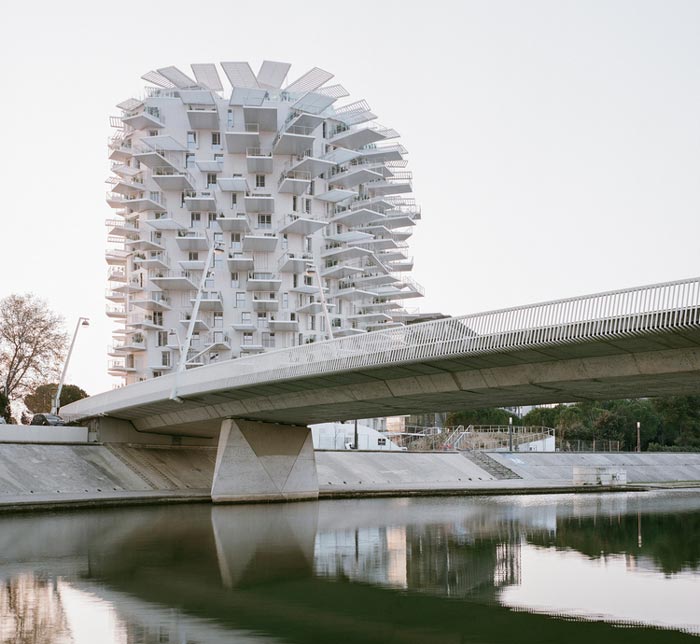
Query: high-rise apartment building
[(251, 218)]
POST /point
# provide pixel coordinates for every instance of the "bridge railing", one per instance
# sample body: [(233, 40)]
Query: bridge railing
[(615, 314)]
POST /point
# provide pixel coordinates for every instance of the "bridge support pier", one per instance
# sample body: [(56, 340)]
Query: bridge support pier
[(263, 462)]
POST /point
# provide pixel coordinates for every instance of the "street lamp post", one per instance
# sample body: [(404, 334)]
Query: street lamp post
[(510, 433), (57, 400), (639, 442)]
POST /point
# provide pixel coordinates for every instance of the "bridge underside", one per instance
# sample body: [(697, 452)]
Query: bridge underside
[(652, 365)]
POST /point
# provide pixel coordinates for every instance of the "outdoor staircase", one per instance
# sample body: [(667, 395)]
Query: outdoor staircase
[(493, 467)]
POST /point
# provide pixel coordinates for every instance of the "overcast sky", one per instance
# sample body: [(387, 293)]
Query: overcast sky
[(555, 145)]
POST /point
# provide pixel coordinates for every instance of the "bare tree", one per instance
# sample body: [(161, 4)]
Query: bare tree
[(32, 343)]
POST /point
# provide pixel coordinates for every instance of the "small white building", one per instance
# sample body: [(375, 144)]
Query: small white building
[(342, 436)]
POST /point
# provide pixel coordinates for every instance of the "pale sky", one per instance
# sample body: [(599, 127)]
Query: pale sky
[(555, 145)]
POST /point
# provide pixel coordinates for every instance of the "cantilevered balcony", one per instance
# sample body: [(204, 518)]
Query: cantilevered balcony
[(238, 141), (284, 322), (134, 343), (131, 187), (314, 166), (340, 271), (260, 243), (192, 264), (265, 302), (252, 348), (173, 280), (245, 323), (356, 217), (353, 176), (203, 117), (163, 221), (385, 153), (259, 202), (235, 223), (192, 239), (359, 137), (238, 262), (313, 308), (151, 158), (400, 183), (144, 245), (148, 119), (125, 170), (152, 301), (294, 262), (259, 160), (344, 253), (134, 285), (351, 293), (201, 201), (117, 272), (300, 225), (115, 312), (119, 367), (200, 324), (232, 184), (295, 139), (152, 260), (295, 183), (335, 195), (116, 257), (115, 296), (217, 341), (136, 204), (144, 321), (169, 178), (122, 228), (261, 281), (347, 331), (210, 301), (265, 117), (370, 317)]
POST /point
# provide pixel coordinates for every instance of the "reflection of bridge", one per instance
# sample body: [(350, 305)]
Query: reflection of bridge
[(636, 342)]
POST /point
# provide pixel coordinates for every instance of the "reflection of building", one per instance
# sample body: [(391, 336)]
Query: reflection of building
[(305, 194)]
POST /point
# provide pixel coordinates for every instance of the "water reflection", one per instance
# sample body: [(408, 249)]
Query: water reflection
[(399, 570)]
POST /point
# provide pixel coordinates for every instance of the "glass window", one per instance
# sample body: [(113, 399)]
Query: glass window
[(216, 138), (259, 180)]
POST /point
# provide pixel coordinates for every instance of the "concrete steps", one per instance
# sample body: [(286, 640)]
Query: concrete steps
[(485, 462)]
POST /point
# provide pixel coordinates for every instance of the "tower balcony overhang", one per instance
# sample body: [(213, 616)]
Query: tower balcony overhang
[(263, 303), (294, 262), (117, 272), (340, 271), (201, 201), (347, 331), (385, 153), (124, 170), (237, 223), (142, 321), (210, 165), (192, 240), (133, 286), (199, 324), (380, 326), (169, 178), (143, 204), (115, 296), (350, 237), (369, 317), (155, 159), (232, 184), (263, 282), (296, 139), (128, 346), (404, 266), (145, 245), (382, 188), (313, 308), (378, 244), (153, 260), (144, 121), (259, 202), (252, 348), (210, 301), (360, 137), (239, 263), (115, 257), (203, 118), (335, 195), (173, 280), (393, 293), (164, 223), (116, 312), (237, 142), (121, 153), (121, 228), (357, 217), (397, 221), (259, 243), (259, 160), (283, 324), (153, 302), (299, 225), (265, 117), (312, 165), (118, 368), (354, 176), (293, 182), (352, 293), (128, 188), (192, 264), (345, 253)]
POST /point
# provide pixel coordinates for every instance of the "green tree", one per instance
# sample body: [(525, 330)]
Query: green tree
[(41, 398), (484, 416), (5, 411)]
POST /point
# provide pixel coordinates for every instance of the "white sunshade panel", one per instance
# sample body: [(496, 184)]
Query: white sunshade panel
[(313, 79), (177, 77), (196, 97), (336, 91), (130, 104), (240, 74), (207, 76), (272, 74), (247, 96), (163, 143), (158, 79), (313, 103)]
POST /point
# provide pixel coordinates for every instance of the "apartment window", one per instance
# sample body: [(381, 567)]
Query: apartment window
[(324, 130), (195, 219), (264, 221), (155, 196), (218, 320), (219, 238), (229, 119), (157, 374), (259, 180), (312, 188), (268, 340), (308, 280), (235, 241), (235, 280), (295, 203), (240, 300), (218, 261), (211, 179), (158, 318), (262, 321), (234, 200), (307, 206), (285, 241), (211, 219), (246, 317), (285, 300), (193, 256), (216, 138), (194, 342), (191, 140), (162, 339), (165, 358), (247, 338), (218, 157), (189, 160)]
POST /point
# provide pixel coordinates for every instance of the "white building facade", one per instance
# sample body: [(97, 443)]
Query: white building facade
[(250, 217)]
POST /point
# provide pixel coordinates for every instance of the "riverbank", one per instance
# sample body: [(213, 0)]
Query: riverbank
[(50, 476)]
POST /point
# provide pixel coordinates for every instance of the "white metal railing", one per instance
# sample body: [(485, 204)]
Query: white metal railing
[(258, 152), (614, 314)]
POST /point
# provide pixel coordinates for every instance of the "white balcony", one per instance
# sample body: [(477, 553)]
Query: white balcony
[(115, 257), (295, 183), (296, 139), (283, 323), (352, 293), (252, 348), (144, 121), (357, 217), (199, 324), (143, 204), (159, 158), (354, 176), (192, 240), (204, 118), (217, 341), (134, 343), (341, 271), (169, 178), (238, 262), (125, 170), (259, 160), (347, 331), (143, 321), (396, 221), (132, 286), (210, 165), (164, 221), (238, 141), (201, 201), (115, 312), (294, 262), (115, 296), (117, 272), (390, 187), (366, 318), (126, 187), (265, 117), (210, 301), (152, 301), (403, 266), (263, 282), (383, 154), (173, 280), (237, 223), (345, 253), (312, 165), (341, 156), (335, 195), (383, 325), (232, 184), (244, 325), (259, 243), (355, 138), (121, 228), (300, 225), (259, 202), (152, 260), (119, 368), (313, 308), (263, 302)]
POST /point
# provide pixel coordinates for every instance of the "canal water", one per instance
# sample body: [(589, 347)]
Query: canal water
[(547, 568)]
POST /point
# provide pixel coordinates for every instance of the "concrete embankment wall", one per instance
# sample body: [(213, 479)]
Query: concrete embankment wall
[(102, 474), (649, 467)]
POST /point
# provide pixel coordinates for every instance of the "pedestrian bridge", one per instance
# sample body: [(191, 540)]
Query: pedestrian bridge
[(635, 342)]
